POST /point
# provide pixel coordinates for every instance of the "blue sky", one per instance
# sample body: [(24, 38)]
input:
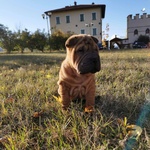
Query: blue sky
[(17, 14)]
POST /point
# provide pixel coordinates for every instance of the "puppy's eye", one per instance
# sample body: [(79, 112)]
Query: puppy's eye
[(80, 50)]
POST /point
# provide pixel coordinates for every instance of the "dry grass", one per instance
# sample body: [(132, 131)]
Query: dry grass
[(31, 118)]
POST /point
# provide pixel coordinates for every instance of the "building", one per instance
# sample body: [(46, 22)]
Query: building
[(79, 19), (137, 25)]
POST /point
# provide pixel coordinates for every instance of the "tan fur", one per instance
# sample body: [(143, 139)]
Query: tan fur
[(72, 84)]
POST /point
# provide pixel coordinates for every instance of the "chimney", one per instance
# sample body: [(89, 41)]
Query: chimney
[(75, 3), (144, 15), (137, 16)]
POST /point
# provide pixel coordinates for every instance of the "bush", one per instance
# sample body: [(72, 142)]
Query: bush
[(143, 38)]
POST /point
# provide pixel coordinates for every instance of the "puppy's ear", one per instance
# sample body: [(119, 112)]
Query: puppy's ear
[(71, 41), (94, 39)]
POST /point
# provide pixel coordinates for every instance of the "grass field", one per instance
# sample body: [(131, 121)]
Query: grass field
[(31, 118)]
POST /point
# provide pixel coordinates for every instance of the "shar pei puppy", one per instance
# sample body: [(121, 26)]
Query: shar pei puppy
[(76, 76)]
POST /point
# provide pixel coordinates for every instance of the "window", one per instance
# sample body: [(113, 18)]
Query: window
[(82, 31), (81, 17), (67, 19), (57, 20), (93, 16), (94, 31), (135, 32), (147, 31)]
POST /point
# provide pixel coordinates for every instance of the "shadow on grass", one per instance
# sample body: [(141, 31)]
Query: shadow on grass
[(19, 60), (108, 106), (136, 112)]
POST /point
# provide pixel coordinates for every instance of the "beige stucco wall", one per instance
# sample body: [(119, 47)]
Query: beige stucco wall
[(75, 25)]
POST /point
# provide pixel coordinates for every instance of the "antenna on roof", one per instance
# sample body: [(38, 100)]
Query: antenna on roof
[(75, 3)]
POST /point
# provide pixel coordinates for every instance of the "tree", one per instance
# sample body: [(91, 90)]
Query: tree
[(7, 38), (104, 43), (22, 39), (58, 38), (38, 41), (25, 39), (143, 38)]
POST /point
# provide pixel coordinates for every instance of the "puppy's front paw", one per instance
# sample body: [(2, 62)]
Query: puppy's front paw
[(89, 109)]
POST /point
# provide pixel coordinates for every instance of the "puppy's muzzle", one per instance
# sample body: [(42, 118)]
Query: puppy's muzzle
[(90, 63)]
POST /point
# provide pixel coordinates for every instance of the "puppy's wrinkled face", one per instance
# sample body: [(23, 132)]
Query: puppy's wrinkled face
[(83, 53)]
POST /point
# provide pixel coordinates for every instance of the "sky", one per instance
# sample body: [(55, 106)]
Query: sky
[(18, 14)]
